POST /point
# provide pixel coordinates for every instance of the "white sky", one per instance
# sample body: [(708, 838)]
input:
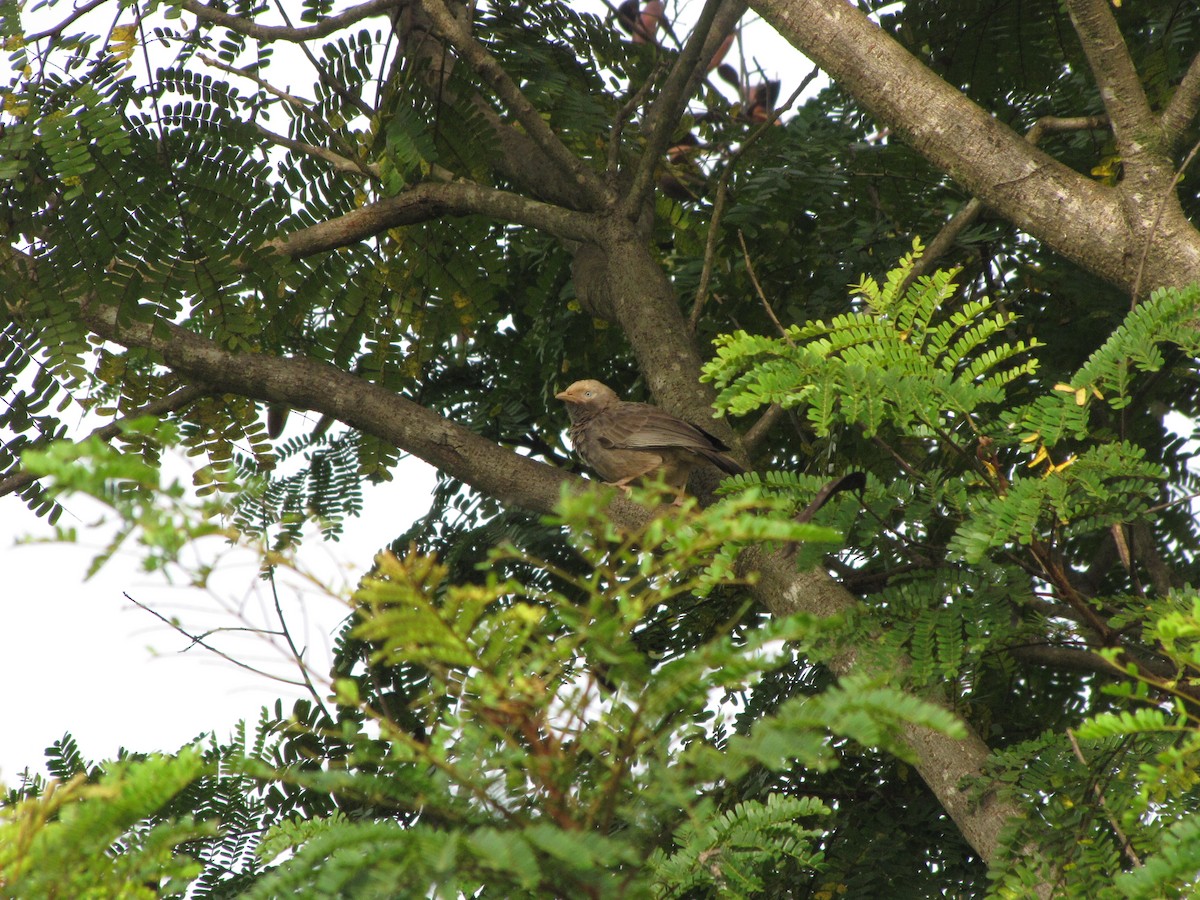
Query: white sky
[(78, 656)]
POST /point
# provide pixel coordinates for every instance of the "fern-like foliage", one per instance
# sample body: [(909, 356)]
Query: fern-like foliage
[(912, 367), (547, 753), (994, 476), (902, 362), (81, 839), (728, 855)]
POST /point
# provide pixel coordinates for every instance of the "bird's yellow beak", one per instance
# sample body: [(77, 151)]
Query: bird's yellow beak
[(562, 395)]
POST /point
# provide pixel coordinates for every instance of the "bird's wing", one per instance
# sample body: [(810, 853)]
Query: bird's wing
[(639, 426)]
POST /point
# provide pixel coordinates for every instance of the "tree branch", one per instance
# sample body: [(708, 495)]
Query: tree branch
[(757, 433), (962, 219), (1069, 212), (1183, 107), (269, 33), (57, 30), (1069, 659), (511, 96), (1134, 125), (342, 164), (430, 201), (304, 383)]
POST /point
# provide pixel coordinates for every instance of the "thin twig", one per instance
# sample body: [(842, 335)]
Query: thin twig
[(1125, 844), (710, 252), (1186, 498), (305, 107), (758, 290), (343, 164), (297, 656), (58, 29), (249, 75), (198, 641), (625, 113), (710, 245)]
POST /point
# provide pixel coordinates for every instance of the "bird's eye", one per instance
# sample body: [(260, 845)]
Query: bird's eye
[(587, 393)]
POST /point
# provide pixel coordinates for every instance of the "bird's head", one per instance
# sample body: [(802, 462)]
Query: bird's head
[(587, 393)]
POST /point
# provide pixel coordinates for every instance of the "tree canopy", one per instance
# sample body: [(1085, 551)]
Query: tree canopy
[(966, 268)]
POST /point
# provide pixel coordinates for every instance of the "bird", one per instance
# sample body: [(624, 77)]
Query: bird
[(622, 441)]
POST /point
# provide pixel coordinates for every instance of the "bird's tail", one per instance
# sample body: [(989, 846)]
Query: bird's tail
[(723, 462)]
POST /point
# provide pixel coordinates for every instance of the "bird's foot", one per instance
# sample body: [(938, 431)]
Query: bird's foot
[(623, 484)]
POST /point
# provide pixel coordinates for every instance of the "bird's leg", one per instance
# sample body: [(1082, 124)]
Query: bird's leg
[(624, 483)]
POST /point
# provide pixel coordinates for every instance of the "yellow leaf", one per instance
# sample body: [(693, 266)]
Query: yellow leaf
[(1070, 460), (123, 41)]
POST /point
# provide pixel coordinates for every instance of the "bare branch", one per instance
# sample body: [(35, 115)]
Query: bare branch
[(710, 250), (430, 201), (198, 641), (296, 653), (269, 33), (171, 403), (759, 291)]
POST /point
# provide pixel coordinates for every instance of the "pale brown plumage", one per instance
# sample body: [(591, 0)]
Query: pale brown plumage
[(622, 441)]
